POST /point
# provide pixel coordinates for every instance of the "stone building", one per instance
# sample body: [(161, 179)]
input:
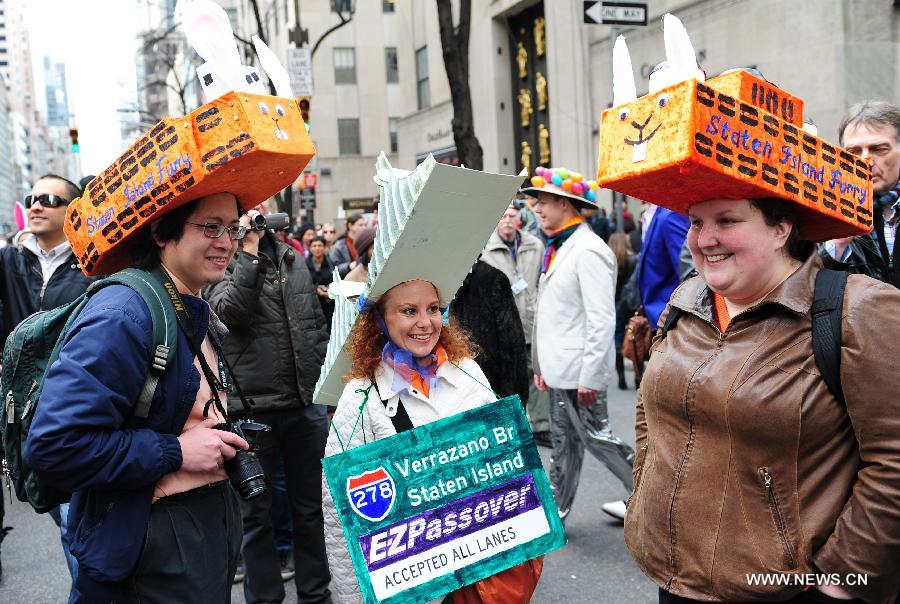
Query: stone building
[(540, 77)]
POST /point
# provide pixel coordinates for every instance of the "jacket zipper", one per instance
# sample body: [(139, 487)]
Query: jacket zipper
[(775, 509)]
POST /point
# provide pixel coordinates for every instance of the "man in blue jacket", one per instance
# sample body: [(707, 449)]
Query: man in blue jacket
[(153, 517), (664, 234)]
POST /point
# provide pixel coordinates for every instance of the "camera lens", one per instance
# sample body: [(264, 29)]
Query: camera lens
[(246, 475)]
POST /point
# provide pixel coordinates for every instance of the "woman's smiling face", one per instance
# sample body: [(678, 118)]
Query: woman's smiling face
[(736, 252), (412, 314)]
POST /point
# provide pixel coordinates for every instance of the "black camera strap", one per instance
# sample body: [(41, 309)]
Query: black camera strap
[(184, 320)]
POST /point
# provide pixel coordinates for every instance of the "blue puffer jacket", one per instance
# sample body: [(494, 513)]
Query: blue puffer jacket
[(85, 439)]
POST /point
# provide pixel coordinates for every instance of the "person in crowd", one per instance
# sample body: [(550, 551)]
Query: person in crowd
[(530, 223), (81, 441), (572, 348), (518, 254), (659, 270), (43, 274), (322, 271), (276, 344), (364, 240), (344, 253), (329, 234), (304, 235), (85, 181), (791, 485), (626, 262), (871, 129), (485, 307), (598, 222)]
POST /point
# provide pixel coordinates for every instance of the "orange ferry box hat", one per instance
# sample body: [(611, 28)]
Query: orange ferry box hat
[(248, 144), (734, 137)]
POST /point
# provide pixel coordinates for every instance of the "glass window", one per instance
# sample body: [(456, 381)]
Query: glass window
[(387, 6), (422, 92), (390, 63), (341, 6), (348, 136), (392, 132), (344, 66)]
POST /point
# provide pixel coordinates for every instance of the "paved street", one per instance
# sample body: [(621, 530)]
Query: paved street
[(593, 568)]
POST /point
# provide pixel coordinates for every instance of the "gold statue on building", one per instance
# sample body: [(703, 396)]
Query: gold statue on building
[(543, 145), (526, 155), (540, 82), (525, 108), (540, 41), (522, 60)]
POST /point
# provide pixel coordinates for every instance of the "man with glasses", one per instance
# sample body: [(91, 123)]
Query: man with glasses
[(153, 515), (42, 275)]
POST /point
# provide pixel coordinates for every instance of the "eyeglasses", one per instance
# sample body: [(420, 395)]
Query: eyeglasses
[(48, 200), (328, 232), (214, 231)]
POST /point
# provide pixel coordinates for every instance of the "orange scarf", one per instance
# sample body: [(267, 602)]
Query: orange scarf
[(720, 312)]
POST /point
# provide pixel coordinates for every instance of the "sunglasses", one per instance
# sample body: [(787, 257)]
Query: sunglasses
[(48, 200)]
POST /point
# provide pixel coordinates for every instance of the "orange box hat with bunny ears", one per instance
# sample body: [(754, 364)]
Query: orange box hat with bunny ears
[(733, 137), (243, 142)]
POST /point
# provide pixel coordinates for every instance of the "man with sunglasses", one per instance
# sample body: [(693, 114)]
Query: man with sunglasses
[(45, 273), (42, 275)]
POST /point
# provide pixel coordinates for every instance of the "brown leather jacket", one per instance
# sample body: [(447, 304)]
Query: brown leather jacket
[(747, 464)]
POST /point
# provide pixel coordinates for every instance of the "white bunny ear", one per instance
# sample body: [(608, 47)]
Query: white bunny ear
[(254, 82), (624, 90), (209, 31), (679, 51), (273, 68)]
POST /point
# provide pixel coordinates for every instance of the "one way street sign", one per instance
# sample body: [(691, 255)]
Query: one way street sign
[(615, 13)]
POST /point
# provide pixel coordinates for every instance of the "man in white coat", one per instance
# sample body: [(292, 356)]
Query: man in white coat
[(572, 346)]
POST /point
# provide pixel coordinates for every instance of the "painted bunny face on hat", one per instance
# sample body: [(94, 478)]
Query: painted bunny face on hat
[(639, 120)]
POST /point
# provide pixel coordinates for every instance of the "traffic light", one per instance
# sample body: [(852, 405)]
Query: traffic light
[(73, 134), (304, 110)]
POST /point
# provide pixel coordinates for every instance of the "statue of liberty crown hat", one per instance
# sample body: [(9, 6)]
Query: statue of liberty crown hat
[(564, 183), (242, 141), (735, 136), (432, 224)]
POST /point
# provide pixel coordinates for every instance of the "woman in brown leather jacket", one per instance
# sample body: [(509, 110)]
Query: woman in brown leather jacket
[(752, 481)]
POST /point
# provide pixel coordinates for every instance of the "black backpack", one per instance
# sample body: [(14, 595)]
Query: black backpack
[(828, 300), (31, 349)]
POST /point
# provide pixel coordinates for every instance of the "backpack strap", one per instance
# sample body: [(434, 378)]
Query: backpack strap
[(828, 301), (671, 319), (165, 326)]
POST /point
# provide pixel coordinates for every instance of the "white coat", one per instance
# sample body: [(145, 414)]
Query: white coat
[(460, 388), (575, 318)]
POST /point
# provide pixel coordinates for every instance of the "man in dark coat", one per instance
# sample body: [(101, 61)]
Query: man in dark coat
[(276, 345), (484, 305), (42, 275)]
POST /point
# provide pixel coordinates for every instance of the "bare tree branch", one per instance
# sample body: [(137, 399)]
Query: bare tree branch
[(328, 32)]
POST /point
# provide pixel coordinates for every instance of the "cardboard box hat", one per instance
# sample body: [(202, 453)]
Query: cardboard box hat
[(733, 137), (432, 224), (244, 142)]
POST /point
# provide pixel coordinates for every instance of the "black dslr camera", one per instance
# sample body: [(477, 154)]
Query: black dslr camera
[(275, 222), (244, 471)]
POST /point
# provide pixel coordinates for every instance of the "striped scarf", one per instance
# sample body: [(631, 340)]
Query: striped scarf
[(556, 238)]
